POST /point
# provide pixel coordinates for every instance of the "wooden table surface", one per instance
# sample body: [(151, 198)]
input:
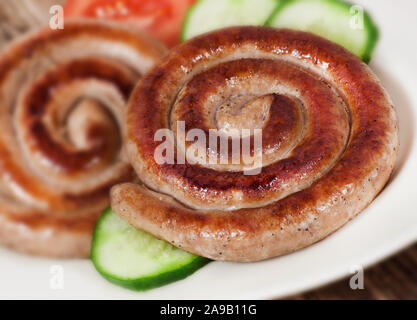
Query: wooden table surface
[(395, 278)]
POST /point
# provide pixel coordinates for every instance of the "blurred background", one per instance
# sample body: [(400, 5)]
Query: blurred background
[(395, 278), (19, 16)]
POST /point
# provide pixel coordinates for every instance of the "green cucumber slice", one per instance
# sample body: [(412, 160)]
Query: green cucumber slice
[(331, 19), (207, 15), (136, 260)]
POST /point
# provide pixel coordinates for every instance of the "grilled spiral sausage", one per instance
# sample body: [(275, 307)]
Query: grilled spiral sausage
[(329, 143), (62, 99)]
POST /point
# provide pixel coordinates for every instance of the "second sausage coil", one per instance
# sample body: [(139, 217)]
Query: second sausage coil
[(62, 101)]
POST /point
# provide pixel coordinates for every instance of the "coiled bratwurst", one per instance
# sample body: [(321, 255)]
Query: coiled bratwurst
[(329, 143), (63, 95)]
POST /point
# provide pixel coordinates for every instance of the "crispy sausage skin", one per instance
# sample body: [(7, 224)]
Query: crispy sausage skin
[(329, 143), (63, 95)]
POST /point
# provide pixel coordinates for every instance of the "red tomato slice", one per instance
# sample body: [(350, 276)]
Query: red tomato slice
[(161, 18)]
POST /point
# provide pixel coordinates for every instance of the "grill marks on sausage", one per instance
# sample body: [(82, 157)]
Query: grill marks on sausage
[(343, 189)]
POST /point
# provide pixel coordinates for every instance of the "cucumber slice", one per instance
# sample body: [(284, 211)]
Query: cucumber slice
[(136, 260), (331, 19), (207, 15)]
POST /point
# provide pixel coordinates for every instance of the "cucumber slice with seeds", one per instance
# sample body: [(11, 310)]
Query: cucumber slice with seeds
[(207, 15), (136, 260), (338, 21)]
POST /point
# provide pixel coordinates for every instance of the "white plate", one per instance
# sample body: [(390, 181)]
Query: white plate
[(387, 226)]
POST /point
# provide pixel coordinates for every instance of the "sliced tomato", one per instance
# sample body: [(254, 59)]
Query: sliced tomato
[(161, 18)]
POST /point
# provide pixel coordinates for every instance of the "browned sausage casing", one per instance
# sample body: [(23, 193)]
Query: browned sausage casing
[(62, 98), (329, 137)]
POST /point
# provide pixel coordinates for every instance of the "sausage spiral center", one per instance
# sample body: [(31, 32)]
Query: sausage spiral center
[(300, 118)]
